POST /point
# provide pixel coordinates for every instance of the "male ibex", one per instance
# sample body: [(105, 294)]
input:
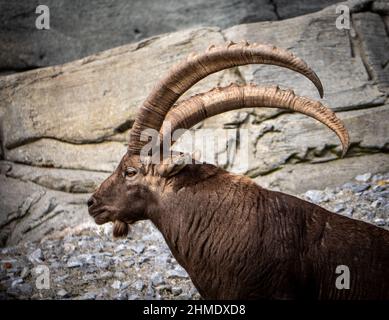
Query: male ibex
[(235, 239)]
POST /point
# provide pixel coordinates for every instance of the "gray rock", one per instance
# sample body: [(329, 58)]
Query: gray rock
[(144, 259), (309, 143), (374, 42), (360, 187), (121, 296), (356, 188), (193, 292), (23, 290), (378, 188), (74, 181), (288, 9), (89, 277), (55, 265), (381, 7), (163, 288), (177, 273), (384, 194), (309, 37), (48, 211), (61, 279), (106, 275), (316, 196), (363, 177), (16, 282), (102, 262), (184, 296), (116, 284), (300, 177), (348, 212), (129, 263), (69, 247), (339, 207), (119, 275), (157, 279), (370, 215), (120, 248), (377, 203), (62, 293), (25, 272), (152, 236), (74, 263), (379, 222), (150, 293), (138, 248), (176, 291), (88, 296), (125, 285), (36, 257), (138, 285), (162, 259)]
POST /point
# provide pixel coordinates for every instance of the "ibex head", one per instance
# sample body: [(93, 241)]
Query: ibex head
[(134, 190)]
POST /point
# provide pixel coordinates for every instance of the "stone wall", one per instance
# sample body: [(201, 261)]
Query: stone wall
[(79, 28), (64, 128)]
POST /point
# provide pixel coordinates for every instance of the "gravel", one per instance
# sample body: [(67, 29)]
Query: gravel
[(365, 198), (88, 264)]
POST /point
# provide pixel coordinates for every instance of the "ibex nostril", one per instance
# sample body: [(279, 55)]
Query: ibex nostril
[(91, 201)]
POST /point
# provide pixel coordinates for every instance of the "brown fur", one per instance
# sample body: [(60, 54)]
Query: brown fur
[(239, 241)]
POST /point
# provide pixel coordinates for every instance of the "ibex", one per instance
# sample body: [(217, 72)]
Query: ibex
[(235, 239)]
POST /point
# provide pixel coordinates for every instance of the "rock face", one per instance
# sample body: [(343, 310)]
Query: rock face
[(78, 29), (64, 128), (111, 84)]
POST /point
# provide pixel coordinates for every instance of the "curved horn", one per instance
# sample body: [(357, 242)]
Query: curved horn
[(199, 107), (184, 75)]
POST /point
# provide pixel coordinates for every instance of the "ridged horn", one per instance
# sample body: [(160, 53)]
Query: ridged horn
[(199, 107), (196, 67)]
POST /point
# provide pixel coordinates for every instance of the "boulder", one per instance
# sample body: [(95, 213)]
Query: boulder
[(294, 138), (329, 51), (374, 42), (298, 178), (73, 181), (29, 211)]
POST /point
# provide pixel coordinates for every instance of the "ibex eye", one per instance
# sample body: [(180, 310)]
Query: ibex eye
[(130, 172)]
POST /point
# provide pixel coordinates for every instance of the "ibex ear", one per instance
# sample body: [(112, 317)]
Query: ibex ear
[(174, 164)]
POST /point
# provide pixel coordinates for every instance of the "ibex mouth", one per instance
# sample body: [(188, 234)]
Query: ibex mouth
[(101, 218), (120, 229)]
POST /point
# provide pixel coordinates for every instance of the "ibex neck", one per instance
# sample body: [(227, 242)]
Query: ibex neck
[(199, 220)]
